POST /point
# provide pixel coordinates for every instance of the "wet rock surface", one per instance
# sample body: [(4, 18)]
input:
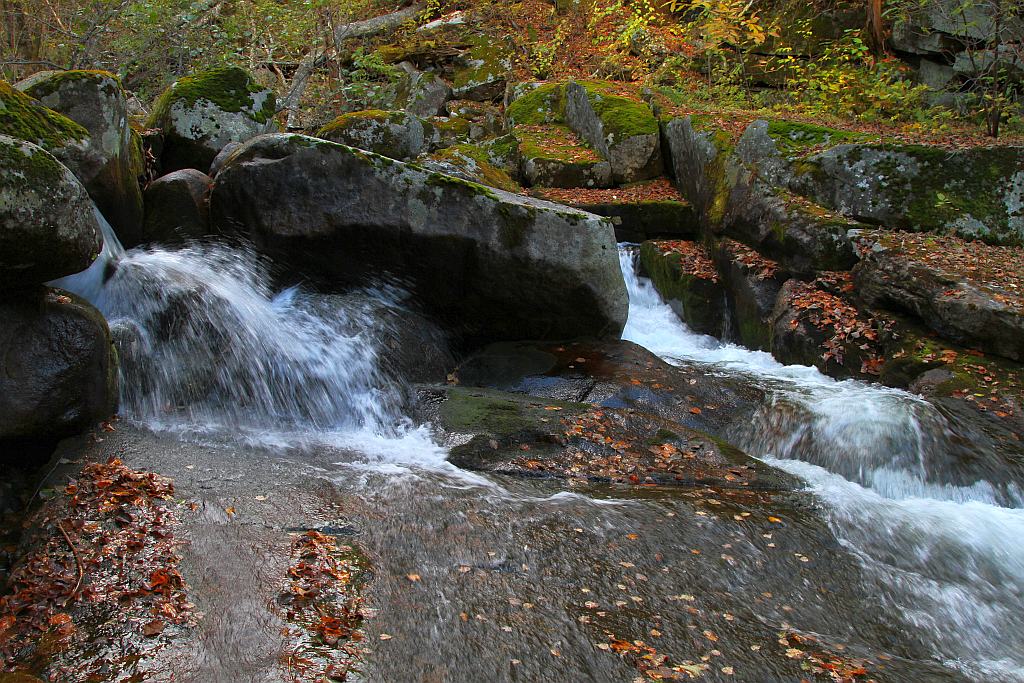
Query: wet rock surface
[(526, 435), (612, 374), (59, 369), (707, 580)]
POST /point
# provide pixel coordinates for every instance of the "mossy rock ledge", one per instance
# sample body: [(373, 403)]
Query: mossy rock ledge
[(111, 164), (48, 225), (491, 264), (201, 113)]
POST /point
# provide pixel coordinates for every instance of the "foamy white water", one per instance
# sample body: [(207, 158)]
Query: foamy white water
[(209, 350), (947, 558)]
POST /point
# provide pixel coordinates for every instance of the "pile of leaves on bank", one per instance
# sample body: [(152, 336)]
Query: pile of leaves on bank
[(322, 603), (103, 562)]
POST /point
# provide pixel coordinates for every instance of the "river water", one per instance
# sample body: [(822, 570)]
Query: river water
[(887, 559)]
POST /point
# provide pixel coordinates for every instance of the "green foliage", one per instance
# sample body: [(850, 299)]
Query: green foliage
[(846, 80)]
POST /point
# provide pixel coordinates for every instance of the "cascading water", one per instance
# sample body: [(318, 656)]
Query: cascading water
[(944, 555), (207, 347)]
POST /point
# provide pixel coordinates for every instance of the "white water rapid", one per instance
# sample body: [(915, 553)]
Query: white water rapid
[(947, 558), (208, 348)]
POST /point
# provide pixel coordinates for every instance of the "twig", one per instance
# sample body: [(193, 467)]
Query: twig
[(78, 564)]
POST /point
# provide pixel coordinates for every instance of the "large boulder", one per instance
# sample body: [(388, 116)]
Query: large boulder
[(202, 113), (976, 193), (58, 369), (112, 161), (394, 134), (421, 93), (48, 225), (623, 130), (177, 206), (494, 265)]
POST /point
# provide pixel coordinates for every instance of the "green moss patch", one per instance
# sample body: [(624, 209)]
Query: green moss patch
[(542, 105), (347, 121), (25, 170), (229, 88), (793, 138), (25, 118), (622, 116)]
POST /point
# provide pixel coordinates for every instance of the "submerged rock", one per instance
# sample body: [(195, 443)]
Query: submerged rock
[(177, 206), (493, 265), (614, 374), (528, 435), (48, 226), (58, 369), (201, 113), (112, 162)]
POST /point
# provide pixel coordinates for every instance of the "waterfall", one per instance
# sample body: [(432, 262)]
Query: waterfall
[(944, 555), (208, 347)]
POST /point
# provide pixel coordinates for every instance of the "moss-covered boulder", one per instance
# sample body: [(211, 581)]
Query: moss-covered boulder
[(112, 163), (686, 277), (58, 369), (551, 155), (493, 265), (471, 162), (968, 292), (974, 193), (201, 113), (394, 134), (177, 206), (421, 93), (483, 70), (622, 129), (48, 225)]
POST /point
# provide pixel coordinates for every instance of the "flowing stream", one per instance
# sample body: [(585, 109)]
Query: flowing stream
[(928, 568)]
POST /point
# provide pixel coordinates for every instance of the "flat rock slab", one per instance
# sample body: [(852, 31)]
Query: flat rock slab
[(968, 292)]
